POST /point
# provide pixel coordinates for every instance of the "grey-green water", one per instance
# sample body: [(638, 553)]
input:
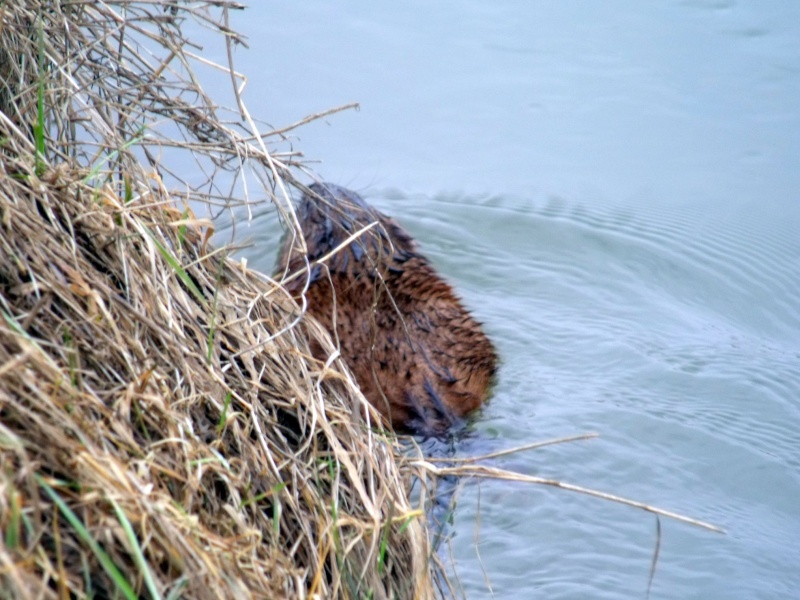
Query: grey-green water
[(613, 188)]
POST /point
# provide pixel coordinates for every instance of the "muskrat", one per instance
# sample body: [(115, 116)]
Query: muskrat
[(417, 354)]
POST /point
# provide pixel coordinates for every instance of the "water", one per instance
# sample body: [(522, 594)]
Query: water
[(614, 191)]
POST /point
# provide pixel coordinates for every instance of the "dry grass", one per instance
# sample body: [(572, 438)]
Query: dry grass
[(163, 428)]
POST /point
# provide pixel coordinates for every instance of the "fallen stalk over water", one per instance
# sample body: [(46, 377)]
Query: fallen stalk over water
[(495, 473), (516, 450)]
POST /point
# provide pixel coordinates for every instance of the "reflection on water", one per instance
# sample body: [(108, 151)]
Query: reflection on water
[(627, 230)]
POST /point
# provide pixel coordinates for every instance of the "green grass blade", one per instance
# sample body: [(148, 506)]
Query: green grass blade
[(382, 551), (105, 560), (223, 417), (113, 154), (212, 326), (13, 530), (178, 268), (138, 555), (39, 126), (177, 590), (273, 492), (128, 189), (182, 228)]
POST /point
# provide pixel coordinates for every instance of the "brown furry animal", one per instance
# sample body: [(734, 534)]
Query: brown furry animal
[(417, 354)]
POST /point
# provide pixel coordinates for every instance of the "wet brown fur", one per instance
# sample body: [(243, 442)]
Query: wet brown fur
[(417, 354)]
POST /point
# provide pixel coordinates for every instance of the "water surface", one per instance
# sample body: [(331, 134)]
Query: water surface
[(613, 188)]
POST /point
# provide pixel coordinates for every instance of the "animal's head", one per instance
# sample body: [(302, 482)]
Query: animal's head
[(355, 237)]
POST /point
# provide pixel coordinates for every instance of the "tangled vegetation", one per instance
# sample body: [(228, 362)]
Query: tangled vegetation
[(164, 430)]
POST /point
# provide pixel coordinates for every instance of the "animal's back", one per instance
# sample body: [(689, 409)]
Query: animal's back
[(417, 354)]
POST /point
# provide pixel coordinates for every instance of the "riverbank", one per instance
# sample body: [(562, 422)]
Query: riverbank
[(164, 430)]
